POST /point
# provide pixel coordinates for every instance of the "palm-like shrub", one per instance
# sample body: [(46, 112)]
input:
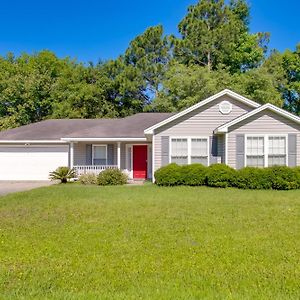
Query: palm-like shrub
[(63, 174)]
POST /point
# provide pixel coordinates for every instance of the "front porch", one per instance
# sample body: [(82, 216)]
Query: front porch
[(133, 158), (81, 170)]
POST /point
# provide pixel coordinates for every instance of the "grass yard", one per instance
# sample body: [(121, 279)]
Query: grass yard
[(146, 242)]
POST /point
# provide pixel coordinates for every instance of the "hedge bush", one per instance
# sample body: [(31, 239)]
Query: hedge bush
[(112, 177), (88, 178), (253, 178), (220, 175), (169, 175), (193, 175), (285, 178)]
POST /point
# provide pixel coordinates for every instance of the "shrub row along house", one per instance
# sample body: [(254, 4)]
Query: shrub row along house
[(225, 128)]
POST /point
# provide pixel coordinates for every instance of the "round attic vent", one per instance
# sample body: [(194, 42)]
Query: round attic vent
[(225, 107)]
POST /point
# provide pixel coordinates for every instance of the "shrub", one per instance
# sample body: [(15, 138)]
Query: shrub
[(220, 175), (88, 178), (63, 174), (169, 175), (253, 178), (285, 178), (193, 175), (112, 177)]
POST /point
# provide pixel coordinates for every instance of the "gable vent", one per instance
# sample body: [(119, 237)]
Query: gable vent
[(225, 107)]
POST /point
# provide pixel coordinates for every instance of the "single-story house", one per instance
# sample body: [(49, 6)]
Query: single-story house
[(225, 128)]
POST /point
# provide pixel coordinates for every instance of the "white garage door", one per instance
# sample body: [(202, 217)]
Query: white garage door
[(31, 162)]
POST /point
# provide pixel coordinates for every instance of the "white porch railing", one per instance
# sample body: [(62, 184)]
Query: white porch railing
[(80, 170)]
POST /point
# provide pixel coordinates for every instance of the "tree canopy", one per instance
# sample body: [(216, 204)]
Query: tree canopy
[(213, 49)]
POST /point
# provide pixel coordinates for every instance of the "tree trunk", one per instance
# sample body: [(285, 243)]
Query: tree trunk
[(209, 61)]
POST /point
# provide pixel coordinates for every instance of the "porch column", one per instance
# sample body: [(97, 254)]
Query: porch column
[(71, 155), (119, 156)]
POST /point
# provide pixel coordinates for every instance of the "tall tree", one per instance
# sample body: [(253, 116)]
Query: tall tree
[(285, 70), (187, 85), (291, 92), (214, 33), (25, 87), (82, 92), (125, 87), (150, 54)]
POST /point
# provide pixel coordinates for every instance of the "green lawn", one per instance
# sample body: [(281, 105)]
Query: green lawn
[(146, 242)]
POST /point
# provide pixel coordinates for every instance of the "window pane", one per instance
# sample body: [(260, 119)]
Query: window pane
[(255, 161), (179, 147), (277, 145), (255, 145), (199, 147), (277, 151), (277, 160), (99, 152), (199, 160), (180, 160), (100, 162), (99, 155), (255, 151)]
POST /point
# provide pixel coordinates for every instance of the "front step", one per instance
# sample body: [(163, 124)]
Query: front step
[(136, 181)]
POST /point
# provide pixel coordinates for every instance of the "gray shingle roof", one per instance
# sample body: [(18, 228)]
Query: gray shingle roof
[(132, 127)]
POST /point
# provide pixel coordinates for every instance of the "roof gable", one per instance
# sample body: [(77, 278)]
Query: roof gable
[(225, 92), (224, 128)]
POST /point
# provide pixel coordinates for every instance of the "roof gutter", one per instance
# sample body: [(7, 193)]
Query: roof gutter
[(32, 142)]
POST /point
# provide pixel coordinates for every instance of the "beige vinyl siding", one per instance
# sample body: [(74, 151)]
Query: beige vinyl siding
[(123, 156), (266, 122), (80, 152), (200, 122), (157, 151)]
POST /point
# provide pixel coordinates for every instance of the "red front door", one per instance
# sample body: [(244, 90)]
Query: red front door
[(140, 162)]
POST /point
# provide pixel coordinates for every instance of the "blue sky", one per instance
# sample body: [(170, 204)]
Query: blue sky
[(90, 30)]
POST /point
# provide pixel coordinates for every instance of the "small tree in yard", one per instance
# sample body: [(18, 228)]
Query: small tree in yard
[(63, 174)]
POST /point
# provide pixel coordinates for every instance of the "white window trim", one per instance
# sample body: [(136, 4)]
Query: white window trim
[(93, 151), (266, 146), (189, 142)]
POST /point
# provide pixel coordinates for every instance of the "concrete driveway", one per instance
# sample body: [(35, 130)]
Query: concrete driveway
[(7, 187)]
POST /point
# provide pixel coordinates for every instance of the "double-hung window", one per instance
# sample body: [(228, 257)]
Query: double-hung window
[(199, 151), (189, 150), (179, 153), (266, 151), (255, 151), (99, 155), (277, 151)]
